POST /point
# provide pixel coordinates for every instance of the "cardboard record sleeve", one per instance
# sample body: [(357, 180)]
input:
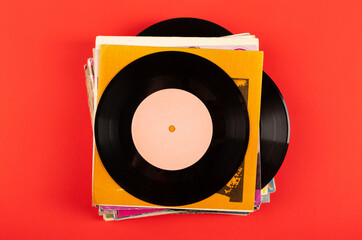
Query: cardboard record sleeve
[(245, 68)]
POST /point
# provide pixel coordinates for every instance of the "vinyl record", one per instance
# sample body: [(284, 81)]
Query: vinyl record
[(274, 130), (274, 119), (185, 27), (135, 86)]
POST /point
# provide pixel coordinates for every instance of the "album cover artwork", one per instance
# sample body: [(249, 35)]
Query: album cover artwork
[(246, 69)]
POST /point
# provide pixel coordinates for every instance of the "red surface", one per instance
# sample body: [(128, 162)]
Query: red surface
[(312, 51)]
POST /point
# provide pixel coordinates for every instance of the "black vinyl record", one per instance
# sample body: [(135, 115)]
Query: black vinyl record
[(185, 27), (274, 119), (274, 130), (171, 70)]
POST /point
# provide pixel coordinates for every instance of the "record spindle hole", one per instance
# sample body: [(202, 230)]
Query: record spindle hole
[(171, 128)]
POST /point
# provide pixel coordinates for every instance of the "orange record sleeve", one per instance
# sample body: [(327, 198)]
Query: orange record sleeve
[(245, 68)]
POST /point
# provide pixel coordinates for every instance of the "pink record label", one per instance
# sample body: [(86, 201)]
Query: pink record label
[(172, 129)]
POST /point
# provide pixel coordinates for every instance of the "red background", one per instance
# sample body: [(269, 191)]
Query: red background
[(312, 51)]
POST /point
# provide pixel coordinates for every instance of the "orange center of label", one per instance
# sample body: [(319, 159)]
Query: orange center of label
[(171, 128)]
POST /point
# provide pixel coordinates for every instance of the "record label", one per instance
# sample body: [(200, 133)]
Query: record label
[(172, 129)]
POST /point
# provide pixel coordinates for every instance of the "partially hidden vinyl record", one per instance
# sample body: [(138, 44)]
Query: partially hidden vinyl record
[(127, 126), (274, 118)]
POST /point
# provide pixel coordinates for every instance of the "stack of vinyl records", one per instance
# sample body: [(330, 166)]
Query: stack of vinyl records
[(185, 121)]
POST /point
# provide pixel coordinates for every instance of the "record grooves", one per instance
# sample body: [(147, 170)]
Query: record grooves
[(274, 130), (274, 118), (171, 70)]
